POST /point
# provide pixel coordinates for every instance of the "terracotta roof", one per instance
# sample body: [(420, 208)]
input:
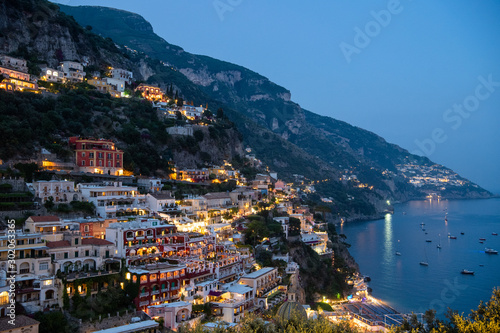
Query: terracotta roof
[(56, 244), (20, 321), (95, 241), (49, 218)]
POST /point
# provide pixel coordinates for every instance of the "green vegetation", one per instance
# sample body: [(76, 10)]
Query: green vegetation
[(53, 322), (28, 120), (110, 298), (261, 226)]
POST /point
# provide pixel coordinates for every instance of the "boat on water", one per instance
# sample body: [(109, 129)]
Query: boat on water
[(428, 240), (439, 245), (481, 242), (490, 251), (398, 253), (462, 233), (467, 272), (482, 239), (424, 263), (494, 234), (452, 237)]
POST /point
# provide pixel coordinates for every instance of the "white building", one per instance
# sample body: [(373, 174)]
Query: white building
[(117, 84), (122, 74), (174, 314), (33, 269), (14, 63), (72, 71), (234, 302), (74, 253), (285, 223), (217, 200), (192, 112), (161, 202), (113, 198), (180, 130), (51, 75), (262, 280), (59, 190), (317, 241), (150, 185)]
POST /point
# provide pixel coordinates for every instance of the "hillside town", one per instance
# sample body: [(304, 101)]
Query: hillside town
[(116, 251), (181, 253)]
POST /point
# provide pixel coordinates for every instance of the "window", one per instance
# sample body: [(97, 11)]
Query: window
[(76, 241), (83, 163), (87, 252), (83, 154), (91, 155), (109, 163), (100, 155), (86, 228), (109, 156), (91, 163), (66, 254), (117, 156), (100, 162), (76, 254), (43, 266), (107, 253)]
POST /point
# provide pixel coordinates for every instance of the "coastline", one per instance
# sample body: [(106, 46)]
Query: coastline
[(446, 266)]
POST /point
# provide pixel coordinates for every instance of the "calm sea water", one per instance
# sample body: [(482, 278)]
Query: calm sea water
[(406, 285)]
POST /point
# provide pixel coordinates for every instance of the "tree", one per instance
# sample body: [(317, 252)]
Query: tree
[(220, 113), (27, 170), (294, 227), (52, 322), (49, 204), (198, 135)]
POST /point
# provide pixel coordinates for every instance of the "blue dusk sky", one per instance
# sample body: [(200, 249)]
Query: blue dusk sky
[(422, 74)]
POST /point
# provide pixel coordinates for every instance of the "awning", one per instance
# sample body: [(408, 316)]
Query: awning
[(215, 293)]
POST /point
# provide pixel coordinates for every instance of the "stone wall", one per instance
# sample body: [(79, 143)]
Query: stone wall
[(110, 322)]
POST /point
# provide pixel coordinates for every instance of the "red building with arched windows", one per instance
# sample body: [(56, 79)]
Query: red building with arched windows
[(97, 156)]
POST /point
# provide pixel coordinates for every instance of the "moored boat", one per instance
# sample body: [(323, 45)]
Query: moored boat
[(490, 251), (467, 272)]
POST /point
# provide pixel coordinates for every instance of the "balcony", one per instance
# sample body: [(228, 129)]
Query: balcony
[(144, 294), (155, 292), (144, 303)]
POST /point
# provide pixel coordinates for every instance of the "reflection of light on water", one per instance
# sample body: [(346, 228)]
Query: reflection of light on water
[(389, 251)]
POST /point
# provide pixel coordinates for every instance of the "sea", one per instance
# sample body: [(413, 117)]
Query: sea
[(415, 230)]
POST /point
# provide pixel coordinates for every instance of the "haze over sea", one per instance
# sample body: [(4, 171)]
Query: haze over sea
[(408, 286)]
